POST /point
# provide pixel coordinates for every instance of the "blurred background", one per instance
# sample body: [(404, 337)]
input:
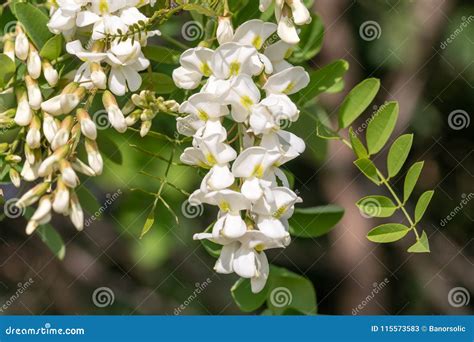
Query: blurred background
[(423, 52)]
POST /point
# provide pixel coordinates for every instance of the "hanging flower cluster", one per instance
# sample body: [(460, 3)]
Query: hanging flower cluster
[(115, 37), (52, 110), (236, 123), (288, 13)]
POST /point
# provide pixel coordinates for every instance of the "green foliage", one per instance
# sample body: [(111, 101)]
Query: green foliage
[(420, 246), (34, 21), (422, 205), (367, 167), (161, 54), (7, 70), (53, 48), (311, 41), (377, 206), (398, 154), (381, 127), (316, 221), (285, 293), (158, 82), (53, 240), (357, 101), (388, 232), (411, 179)]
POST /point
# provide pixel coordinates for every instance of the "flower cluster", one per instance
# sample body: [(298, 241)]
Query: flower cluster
[(288, 13), (236, 123), (111, 31), (52, 110)]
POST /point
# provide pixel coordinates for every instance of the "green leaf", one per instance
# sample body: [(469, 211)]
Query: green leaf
[(53, 48), (357, 145), (89, 202), (422, 205), (160, 83), (398, 154), (325, 132), (34, 21), (290, 291), (315, 221), (368, 168), (204, 10), (110, 149), (212, 248), (410, 180), (7, 69), (421, 246), (357, 101), (311, 37), (150, 220), (381, 126), (388, 232), (323, 79), (7, 101), (161, 54), (243, 296), (377, 206), (53, 240)]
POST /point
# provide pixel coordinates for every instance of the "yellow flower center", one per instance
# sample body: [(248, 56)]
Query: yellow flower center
[(289, 87), (257, 42), (258, 171), (210, 159), (202, 115), (246, 101), (205, 69), (103, 6), (234, 68), (260, 247)]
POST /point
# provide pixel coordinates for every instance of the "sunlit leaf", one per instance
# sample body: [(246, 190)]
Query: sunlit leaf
[(357, 145), (7, 69), (422, 205), (398, 154), (368, 169), (34, 21), (388, 232), (381, 127), (411, 178), (52, 48), (245, 299), (377, 206), (357, 101), (421, 246)]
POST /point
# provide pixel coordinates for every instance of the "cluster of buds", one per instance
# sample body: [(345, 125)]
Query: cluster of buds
[(144, 107)]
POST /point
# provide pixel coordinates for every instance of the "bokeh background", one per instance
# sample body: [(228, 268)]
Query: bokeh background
[(406, 47)]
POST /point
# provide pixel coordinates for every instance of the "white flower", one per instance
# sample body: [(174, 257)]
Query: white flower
[(126, 60), (288, 81), (61, 198), (89, 73), (34, 93), (22, 45), (268, 115), (252, 165), (277, 53), (254, 33), (88, 127), (34, 63), (50, 127), (194, 65), (243, 94), (50, 74), (116, 117), (24, 113), (288, 13), (93, 156), (64, 18), (42, 215), (76, 213), (33, 137), (225, 31)]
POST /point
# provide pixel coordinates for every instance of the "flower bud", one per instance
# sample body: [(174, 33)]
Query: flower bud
[(69, 101), (83, 168), (24, 114), (147, 114), (42, 215), (133, 117), (172, 106), (62, 136), (88, 127), (15, 177), (34, 93), (22, 45), (33, 195), (48, 164), (129, 107), (13, 158), (33, 137), (29, 171), (98, 76), (9, 49), (77, 215), (34, 63), (145, 128), (61, 198), (50, 74), (50, 127), (68, 174), (116, 117), (225, 31), (93, 156)]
